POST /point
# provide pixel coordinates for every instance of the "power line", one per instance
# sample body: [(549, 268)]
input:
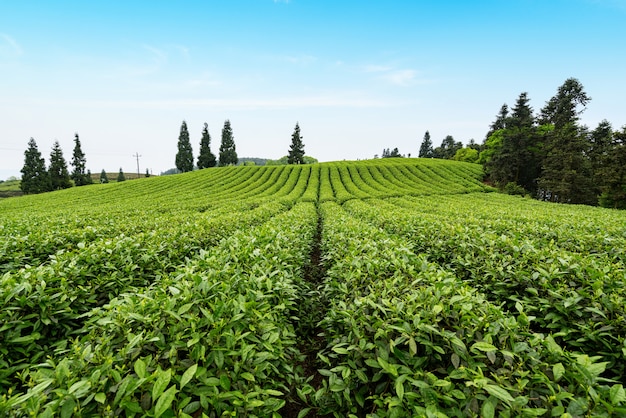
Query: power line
[(137, 157)]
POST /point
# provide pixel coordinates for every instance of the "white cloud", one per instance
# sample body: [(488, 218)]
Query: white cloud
[(401, 77), (11, 43), (393, 75), (345, 100), (302, 59)]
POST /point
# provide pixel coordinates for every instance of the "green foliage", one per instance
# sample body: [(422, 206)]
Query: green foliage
[(448, 148), (426, 149), (35, 177), (103, 177), (391, 287), (59, 176), (120, 176), (468, 155), (184, 156), (296, 149), (206, 158), (80, 176), (228, 153), (391, 154)]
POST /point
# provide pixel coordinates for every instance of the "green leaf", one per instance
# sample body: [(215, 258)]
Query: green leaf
[(499, 392), (617, 394), (162, 380), (165, 401), (67, 410), (489, 408), (483, 346), (225, 382), (558, 370), (140, 368), (188, 375), (400, 388), (100, 397), (248, 376), (412, 346)]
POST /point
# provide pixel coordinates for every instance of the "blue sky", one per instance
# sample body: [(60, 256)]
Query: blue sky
[(357, 76)]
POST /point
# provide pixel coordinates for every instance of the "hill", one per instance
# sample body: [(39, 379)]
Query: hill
[(394, 287)]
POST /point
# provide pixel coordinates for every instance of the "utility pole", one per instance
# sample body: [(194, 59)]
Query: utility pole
[(137, 157)]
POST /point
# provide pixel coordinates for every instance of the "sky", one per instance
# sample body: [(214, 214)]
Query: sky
[(357, 76)]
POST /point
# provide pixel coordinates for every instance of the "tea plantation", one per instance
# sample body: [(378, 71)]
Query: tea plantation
[(381, 288)]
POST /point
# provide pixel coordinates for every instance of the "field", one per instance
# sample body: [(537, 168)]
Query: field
[(381, 288)]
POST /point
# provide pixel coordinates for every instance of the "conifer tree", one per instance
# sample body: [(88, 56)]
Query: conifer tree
[(35, 177), (184, 157), (206, 158), (59, 174), (228, 154), (426, 149), (567, 171), (103, 177), (79, 162), (296, 150), (121, 176)]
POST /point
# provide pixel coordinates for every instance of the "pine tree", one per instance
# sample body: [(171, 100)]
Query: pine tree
[(518, 159), (103, 177), (296, 149), (426, 149), (79, 162), (184, 157), (613, 172), (35, 177), (228, 154), (121, 176), (567, 171), (59, 175), (206, 158)]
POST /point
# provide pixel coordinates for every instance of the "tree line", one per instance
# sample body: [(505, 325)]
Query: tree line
[(227, 151), (548, 155), (36, 178)]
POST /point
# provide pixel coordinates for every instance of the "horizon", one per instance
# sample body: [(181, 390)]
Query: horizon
[(357, 78)]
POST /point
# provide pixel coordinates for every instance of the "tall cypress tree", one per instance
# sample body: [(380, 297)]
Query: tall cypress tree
[(35, 177), (184, 157), (103, 177), (206, 158), (426, 149), (79, 162), (228, 153), (59, 174), (296, 149)]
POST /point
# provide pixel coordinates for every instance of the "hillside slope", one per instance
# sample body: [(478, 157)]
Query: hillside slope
[(383, 288), (338, 181)]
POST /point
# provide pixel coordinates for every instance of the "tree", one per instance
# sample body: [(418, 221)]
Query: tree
[(566, 170), (147, 173), (59, 175), (35, 177), (391, 154), (184, 157), (613, 173), (206, 158), (469, 155), (79, 163), (500, 122), (448, 148), (228, 154), (296, 150), (426, 149), (120, 176), (103, 177), (518, 158)]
